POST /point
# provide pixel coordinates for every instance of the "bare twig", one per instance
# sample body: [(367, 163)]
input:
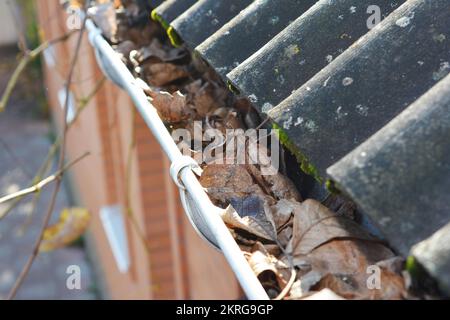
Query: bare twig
[(26, 59), (39, 176), (49, 212), (41, 184)]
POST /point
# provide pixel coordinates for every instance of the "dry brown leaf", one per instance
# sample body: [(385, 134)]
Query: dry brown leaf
[(315, 224), (207, 97), (354, 287), (204, 100), (341, 206), (72, 224), (257, 176), (161, 53), (161, 74), (335, 253), (193, 87), (223, 119), (247, 223), (345, 256), (231, 121), (171, 108), (393, 286), (285, 236), (233, 185), (282, 187), (342, 266), (276, 184), (272, 249), (270, 270), (228, 182), (282, 212), (104, 16)]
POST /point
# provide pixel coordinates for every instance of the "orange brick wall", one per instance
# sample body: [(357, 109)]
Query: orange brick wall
[(178, 264)]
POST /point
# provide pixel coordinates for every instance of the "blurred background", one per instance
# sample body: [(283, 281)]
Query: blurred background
[(26, 136)]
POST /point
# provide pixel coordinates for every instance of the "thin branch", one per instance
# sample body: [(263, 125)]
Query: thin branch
[(43, 183), (49, 212), (43, 170), (26, 59), (39, 176), (29, 217)]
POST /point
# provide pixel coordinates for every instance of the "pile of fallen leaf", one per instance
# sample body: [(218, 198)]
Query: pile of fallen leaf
[(296, 247)]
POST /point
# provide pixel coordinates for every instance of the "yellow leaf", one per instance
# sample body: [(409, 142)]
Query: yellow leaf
[(72, 223)]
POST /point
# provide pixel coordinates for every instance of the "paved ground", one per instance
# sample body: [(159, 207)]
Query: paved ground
[(24, 144)]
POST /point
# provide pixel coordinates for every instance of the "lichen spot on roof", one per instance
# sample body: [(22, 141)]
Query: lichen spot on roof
[(403, 22)]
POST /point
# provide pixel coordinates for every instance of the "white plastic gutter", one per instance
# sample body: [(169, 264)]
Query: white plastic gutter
[(115, 69)]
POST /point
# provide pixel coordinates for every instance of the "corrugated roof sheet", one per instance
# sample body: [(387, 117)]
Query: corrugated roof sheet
[(249, 31), (369, 84), (400, 176), (301, 50), (339, 90), (401, 173), (204, 18)]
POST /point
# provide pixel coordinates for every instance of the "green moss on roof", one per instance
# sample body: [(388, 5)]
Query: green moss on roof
[(171, 33), (305, 165), (174, 37), (412, 267), (156, 17), (233, 88), (331, 186)]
